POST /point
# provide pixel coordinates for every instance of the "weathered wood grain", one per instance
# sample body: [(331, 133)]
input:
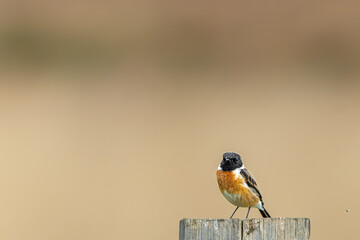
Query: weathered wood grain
[(245, 229)]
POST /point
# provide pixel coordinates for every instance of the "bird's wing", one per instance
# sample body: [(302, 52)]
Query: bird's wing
[(250, 181)]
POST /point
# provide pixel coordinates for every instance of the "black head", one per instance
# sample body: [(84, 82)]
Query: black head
[(231, 161)]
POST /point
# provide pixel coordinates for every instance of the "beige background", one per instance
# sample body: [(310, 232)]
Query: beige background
[(114, 115)]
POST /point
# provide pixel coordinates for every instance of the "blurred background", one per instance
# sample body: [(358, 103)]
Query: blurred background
[(114, 115)]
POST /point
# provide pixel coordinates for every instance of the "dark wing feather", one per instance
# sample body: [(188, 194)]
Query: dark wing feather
[(250, 181)]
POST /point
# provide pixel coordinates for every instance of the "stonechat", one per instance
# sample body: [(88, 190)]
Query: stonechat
[(238, 186)]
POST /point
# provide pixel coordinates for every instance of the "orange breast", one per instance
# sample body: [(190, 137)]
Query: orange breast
[(234, 190)]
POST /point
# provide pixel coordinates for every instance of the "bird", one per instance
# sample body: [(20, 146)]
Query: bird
[(238, 186)]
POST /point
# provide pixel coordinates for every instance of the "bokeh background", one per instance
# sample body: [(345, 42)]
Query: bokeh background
[(115, 115)]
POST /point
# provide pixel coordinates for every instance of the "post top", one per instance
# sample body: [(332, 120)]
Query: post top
[(244, 219), (282, 228)]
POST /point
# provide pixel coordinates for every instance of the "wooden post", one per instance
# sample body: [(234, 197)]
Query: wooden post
[(245, 229)]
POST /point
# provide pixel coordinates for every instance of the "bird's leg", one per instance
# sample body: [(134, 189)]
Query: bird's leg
[(248, 213), (234, 212)]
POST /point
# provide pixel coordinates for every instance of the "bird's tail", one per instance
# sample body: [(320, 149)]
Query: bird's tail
[(264, 213)]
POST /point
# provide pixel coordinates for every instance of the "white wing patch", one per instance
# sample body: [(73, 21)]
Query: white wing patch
[(237, 175)]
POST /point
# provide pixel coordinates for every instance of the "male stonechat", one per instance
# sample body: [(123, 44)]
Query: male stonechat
[(238, 186)]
